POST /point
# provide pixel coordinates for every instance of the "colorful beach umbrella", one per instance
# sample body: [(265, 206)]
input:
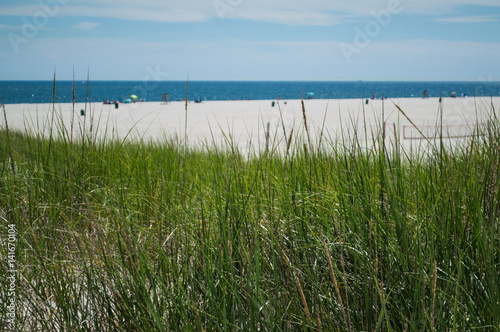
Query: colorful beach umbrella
[(133, 96)]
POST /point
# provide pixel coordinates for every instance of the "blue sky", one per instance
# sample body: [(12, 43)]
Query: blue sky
[(250, 40)]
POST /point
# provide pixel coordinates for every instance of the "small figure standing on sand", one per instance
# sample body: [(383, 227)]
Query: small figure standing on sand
[(425, 94), (165, 99), (373, 96)]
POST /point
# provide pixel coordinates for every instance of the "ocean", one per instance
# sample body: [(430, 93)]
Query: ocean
[(14, 92)]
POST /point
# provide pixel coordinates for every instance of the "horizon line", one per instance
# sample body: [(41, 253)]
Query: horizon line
[(252, 80)]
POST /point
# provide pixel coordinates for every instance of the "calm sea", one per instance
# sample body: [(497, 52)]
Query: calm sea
[(13, 92)]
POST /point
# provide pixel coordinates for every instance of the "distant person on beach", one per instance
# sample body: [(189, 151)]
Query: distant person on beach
[(373, 96), (165, 99), (425, 94)]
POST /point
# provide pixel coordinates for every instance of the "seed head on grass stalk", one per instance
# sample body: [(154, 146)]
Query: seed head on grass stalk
[(305, 120), (288, 144), (73, 109), (186, 108), (53, 112), (434, 284), (303, 299), (9, 150)]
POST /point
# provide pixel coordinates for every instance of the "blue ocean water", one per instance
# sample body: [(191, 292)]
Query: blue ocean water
[(13, 92)]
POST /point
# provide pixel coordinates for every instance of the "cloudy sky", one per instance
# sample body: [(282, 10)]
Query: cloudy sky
[(250, 39)]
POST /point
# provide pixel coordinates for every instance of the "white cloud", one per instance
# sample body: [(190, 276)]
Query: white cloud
[(469, 19), (86, 26), (289, 17), (294, 12)]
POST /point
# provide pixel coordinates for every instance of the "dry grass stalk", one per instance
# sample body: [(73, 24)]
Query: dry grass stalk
[(303, 299), (434, 282), (8, 140), (408, 118), (305, 120), (334, 279), (318, 319), (199, 320), (345, 283), (289, 143), (301, 291), (186, 115)]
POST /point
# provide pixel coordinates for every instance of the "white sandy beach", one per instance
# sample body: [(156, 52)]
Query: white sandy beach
[(245, 122)]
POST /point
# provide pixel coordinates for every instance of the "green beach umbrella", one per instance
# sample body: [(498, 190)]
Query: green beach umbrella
[(133, 96)]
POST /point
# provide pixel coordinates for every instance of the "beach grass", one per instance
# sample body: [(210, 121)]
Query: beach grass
[(154, 235)]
